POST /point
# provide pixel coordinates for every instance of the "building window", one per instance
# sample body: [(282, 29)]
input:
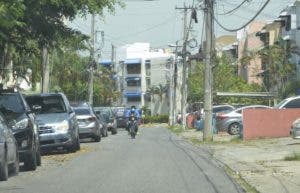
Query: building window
[(148, 67), (134, 69), (288, 23), (134, 99), (148, 82), (134, 82)]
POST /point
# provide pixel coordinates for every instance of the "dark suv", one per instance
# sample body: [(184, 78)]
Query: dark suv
[(58, 127), (22, 121)]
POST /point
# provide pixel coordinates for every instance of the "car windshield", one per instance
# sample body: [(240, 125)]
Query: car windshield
[(281, 103), (11, 104), (48, 104)]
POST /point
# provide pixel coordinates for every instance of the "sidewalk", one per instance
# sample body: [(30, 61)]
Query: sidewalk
[(259, 162)]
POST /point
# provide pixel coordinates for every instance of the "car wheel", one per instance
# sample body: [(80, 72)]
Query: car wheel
[(38, 157), (106, 133), (73, 148), (30, 161), (16, 165), (97, 138), (234, 129), (4, 168), (77, 144), (114, 131)]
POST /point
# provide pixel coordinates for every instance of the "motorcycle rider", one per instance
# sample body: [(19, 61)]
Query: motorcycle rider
[(136, 114)]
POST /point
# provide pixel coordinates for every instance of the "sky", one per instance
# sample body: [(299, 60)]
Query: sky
[(160, 24)]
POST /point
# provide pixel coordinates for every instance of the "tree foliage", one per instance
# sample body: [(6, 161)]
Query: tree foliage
[(225, 79), (279, 69), (28, 25)]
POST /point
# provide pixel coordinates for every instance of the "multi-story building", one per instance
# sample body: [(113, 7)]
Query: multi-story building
[(249, 64), (143, 77), (290, 26)]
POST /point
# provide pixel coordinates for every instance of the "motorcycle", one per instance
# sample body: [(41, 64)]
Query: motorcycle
[(132, 126)]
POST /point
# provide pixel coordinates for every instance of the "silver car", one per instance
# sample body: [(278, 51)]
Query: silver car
[(88, 122), (231, 121), (58, 127), (8, 151)]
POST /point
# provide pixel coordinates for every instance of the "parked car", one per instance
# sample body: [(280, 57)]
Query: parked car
[(120, 117), (291, 102), (88, 122), (23, 123), (216, 109), (9, 157), (109, 118), (103, 124), (295, 129), (58, 127), (231, 121)]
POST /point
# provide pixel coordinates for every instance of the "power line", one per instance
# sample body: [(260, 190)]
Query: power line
[(147, 29), (250, 10), (252, 19), (234, 9)]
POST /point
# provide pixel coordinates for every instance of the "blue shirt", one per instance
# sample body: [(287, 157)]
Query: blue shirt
[(136, 113)]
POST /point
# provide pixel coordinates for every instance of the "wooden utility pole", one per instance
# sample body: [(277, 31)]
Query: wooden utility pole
[(92, 61), (208, 78)]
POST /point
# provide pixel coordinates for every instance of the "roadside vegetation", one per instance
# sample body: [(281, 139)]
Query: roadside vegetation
[(34, 35), (294, 157), (240, 180)]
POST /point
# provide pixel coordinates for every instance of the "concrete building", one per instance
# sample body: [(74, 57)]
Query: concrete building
[(143, 77), (249, 65), (289, 19)]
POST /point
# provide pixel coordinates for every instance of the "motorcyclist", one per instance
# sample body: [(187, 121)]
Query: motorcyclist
[(137, 115)]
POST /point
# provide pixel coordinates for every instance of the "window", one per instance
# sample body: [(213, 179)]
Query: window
[(134, 82), (134, 69), (293, 104), (134, 99), (148, 82), (148, 67)]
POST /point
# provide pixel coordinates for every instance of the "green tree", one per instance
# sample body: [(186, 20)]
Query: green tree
[(225, 79), (279, 70), (28, 26)]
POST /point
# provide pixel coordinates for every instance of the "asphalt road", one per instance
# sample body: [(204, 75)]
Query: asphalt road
[(155, 162)]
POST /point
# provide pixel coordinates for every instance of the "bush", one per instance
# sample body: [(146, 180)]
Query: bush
[(156, 119)]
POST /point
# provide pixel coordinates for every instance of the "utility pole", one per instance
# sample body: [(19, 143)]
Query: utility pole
[(92, 61), (186, 30), (208, 79)]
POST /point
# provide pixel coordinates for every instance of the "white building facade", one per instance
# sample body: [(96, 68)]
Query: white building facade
[(140, 71)]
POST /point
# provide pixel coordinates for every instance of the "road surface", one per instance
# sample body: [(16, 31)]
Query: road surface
[(155, 162)]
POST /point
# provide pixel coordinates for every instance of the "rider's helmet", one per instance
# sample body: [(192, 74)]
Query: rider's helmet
[(132, 109)]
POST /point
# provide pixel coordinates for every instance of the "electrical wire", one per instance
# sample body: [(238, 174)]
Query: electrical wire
[(247, 23), (147, 29), (234, 9)]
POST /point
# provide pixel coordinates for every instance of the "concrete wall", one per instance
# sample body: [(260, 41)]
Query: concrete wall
[(268, 123)]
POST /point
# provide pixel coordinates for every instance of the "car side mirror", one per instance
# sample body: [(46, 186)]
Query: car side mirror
[(71, 110), (36, 108)]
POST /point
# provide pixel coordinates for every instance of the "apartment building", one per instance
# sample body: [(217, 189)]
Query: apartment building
[(249, 64), (141, 69)]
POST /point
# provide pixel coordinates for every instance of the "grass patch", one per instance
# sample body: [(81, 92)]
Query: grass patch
[(196, 141), (176, 129), (293, 157), (241, 181)]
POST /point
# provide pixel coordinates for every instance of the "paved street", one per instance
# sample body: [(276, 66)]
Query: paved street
[(156, 162)]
